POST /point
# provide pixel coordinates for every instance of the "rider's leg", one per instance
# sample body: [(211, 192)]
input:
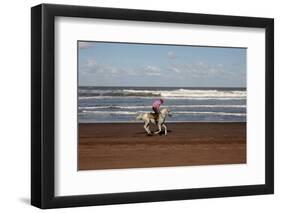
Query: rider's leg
[(156, 112)]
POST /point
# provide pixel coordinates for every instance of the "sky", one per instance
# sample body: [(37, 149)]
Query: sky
[(159, 65)]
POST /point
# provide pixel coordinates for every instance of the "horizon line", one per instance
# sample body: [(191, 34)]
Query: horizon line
[(169, 86)]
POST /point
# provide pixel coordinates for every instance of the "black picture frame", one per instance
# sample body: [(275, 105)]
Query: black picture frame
[(43, 102)]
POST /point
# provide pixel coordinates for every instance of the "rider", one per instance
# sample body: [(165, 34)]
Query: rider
[(156, 107)]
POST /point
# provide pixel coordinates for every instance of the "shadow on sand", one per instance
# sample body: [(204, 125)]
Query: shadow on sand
[(161, 133)]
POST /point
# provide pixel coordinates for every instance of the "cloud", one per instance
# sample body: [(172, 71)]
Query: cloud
[(151, 71), (175, 69), (171, 55), (199, 70), (85, 44), (107, 70), (153, 74), (150, 68), (91, 66), (193, 73), (91, 63)]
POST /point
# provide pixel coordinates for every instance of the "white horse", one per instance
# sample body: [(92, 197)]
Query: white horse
[(149, 118)]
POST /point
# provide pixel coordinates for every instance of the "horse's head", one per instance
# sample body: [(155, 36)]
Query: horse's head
[(166, 112)]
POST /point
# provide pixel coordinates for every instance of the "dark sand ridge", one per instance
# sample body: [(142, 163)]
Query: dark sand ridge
[(125, 145)]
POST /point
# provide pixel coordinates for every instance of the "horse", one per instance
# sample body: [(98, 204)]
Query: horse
[(150, 118)]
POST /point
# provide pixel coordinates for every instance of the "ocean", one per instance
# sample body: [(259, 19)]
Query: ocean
[(121, 104)]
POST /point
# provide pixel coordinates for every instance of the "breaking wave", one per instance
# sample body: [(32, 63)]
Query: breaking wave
[(176, 93), (167, 106)]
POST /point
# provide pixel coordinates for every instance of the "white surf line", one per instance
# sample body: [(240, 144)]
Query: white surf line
[(166, 98), (166, 106), (213, 113), (181, 112)]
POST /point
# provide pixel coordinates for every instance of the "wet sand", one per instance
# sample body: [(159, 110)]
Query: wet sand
[(125, 145)]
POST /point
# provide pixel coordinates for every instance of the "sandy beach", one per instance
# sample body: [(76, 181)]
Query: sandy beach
[(125, 145)]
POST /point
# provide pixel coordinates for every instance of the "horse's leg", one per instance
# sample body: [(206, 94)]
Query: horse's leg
[(146, 124), (165, 127), (159, 129)]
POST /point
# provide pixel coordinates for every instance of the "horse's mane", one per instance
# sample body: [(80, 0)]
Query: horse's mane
[(165, 109)]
